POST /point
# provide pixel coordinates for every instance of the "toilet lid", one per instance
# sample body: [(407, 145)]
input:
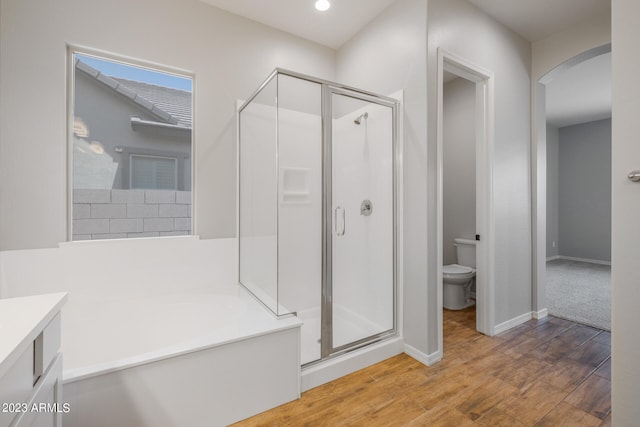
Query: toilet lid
[(456, 269)]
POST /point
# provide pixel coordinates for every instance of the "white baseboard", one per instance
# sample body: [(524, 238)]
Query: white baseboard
[(553, 258), (571, 258), (424, 358), (504, 326), (540, 314)]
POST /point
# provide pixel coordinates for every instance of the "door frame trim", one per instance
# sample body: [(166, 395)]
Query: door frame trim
[(485, 249)]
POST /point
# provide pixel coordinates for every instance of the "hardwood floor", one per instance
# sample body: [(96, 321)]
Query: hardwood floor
[(548, 372)]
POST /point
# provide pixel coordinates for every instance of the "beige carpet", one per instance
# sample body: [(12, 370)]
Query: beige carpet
[(580, 292)]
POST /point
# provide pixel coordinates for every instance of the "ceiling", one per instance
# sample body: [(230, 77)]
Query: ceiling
[(332, 28), (536, 19), (532, 19), (580, 94)]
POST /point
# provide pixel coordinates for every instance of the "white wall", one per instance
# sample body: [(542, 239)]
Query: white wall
[(553, 155), (585, 190), (386, 56), (466, 31), (554, 50), (459, 165), (108, 270), (230, 56), (626, 233)]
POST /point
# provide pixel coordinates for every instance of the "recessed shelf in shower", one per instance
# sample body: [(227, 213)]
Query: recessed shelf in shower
[(295, 185)]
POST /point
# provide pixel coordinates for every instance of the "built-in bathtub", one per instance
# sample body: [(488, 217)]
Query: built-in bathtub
[(198, 359), (158, 332)]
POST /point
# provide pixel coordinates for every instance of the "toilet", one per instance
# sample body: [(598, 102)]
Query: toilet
[(457, 279)]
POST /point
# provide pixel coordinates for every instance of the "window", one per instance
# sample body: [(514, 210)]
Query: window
[(154, 173), (131, 145)]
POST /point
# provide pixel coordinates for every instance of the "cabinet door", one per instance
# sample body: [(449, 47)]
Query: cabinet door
[(16, 387), (45, 407)]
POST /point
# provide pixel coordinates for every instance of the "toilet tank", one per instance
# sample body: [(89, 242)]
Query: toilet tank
[(466, 251)]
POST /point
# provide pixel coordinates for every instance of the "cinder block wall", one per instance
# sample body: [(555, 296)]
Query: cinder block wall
[(121, 214)]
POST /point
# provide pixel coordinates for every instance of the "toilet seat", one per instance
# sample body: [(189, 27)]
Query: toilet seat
[(456, 271), (456, 283)]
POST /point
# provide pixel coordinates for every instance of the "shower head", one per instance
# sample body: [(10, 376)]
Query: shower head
[(358, 119)]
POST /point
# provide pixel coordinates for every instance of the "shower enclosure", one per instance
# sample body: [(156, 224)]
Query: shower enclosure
[(317, 209)]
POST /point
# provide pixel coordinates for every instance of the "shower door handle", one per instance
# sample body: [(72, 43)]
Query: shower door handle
[(339, 230)]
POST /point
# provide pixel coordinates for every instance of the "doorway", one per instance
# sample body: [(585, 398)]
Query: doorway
[(482, 80), (572, 211)]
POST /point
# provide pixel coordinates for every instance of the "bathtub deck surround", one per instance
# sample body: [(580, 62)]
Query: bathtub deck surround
[(174, 341), (159, 327), (207, 384), (235, 359)]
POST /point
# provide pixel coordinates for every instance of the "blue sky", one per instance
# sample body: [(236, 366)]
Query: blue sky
[(132, 72)]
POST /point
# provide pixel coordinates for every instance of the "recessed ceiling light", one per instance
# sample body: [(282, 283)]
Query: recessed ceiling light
[(323, 5)]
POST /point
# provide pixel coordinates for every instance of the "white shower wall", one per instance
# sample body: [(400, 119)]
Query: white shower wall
[(281, 204), (300, 195), (281, 222), (258, 203), (362, 163)]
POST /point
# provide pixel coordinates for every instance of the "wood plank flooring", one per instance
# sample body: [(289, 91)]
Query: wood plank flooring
[(548, 372)]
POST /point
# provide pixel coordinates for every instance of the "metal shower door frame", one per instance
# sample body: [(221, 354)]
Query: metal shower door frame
[(327, 350), (327, 89)]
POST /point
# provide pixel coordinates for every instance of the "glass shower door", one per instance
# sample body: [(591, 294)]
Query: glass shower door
[(362, 221)]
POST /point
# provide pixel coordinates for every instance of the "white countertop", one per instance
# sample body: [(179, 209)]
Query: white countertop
[(21, 320)]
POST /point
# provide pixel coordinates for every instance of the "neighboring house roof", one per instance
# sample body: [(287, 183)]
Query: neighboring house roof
[(171, 106), (174, 101)]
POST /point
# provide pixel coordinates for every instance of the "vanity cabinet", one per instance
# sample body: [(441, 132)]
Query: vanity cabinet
[(31, 361)]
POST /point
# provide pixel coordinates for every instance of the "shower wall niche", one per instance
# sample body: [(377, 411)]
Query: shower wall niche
[(317, 209)]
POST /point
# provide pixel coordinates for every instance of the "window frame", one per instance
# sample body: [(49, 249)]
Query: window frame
[(180, 158), (71, 51)]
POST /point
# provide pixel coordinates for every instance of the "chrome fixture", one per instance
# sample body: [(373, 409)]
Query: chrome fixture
[(360, 117)]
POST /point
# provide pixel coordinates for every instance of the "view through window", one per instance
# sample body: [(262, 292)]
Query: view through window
[(132, 145)]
